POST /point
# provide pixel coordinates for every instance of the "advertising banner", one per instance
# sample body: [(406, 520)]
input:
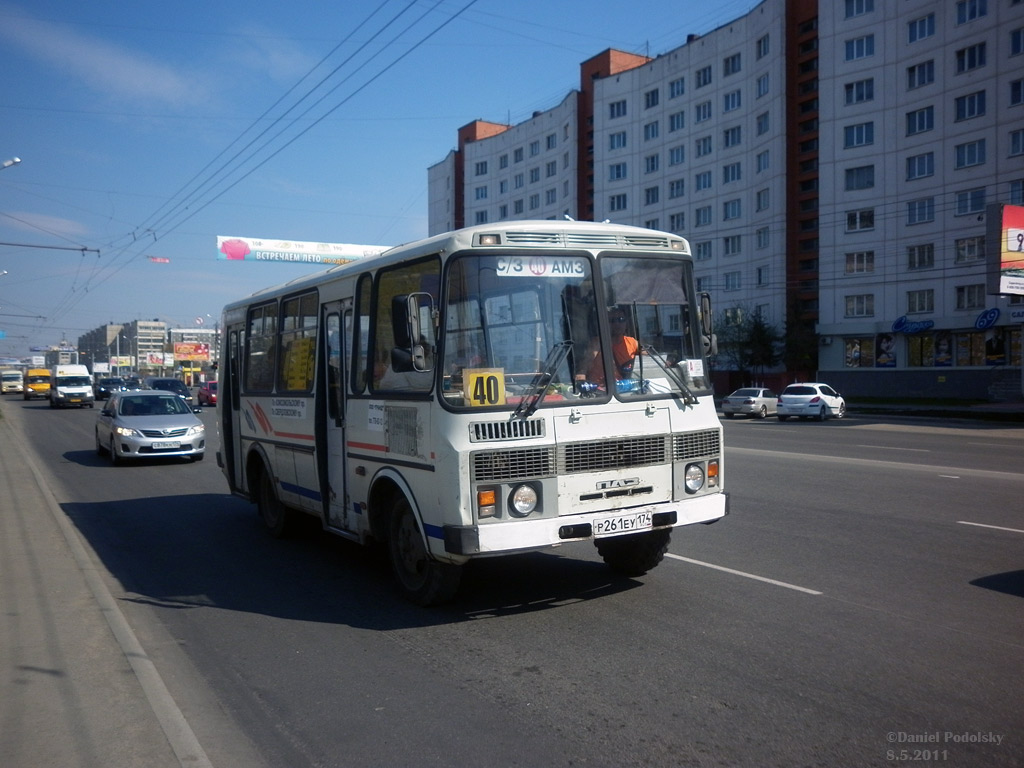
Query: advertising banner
[(1004, 240), (194, 351), (260, 249)]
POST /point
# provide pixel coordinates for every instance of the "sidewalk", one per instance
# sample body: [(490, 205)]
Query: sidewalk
[(1006, 412), (73, 689)]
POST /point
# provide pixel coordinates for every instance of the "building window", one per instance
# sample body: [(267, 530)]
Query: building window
[(551, 169), (860, 91), (860, 47), (921, 256), (971, 57), (732, 283), (676, 222), (534, 175), (503, 211), (651, 163), (517, 155), (858, 221), (919, 29), (702, 181), (761, 279), (481, 217), (762, 161), (676, 121), (970, 106), (970, 249), (534, 202), (503, 162), (860, 135), (1017, 193), (762, 86), (676, 155), (1017, 142), (920, 120), (651, 131), (731, 172), (731, 65), (652, 224), (860, 262), (1016, 92), (920, 166), (731, 136), (763, 124), (617, 140), (763, 237), (703, 76), (481, 168), (761, 47), (921, 211), (862, 305), (517, 206), (1017, 42), (702, 216), (677, 87), (969, 10), (970, 201), (702, 250), (862, 177), (970, 296), (762, 199), (702, 112), (651, 99), (859, 7), (480, 193), (650, 195), (920, 301), (971, 153), (551, 141), (731, 101), (517, 181), (617, 202), (732, 245), (730, 210), (920, 75), (550, 196), (617, 109), (503, 187), (702, 146), (534, 148), (616, 171), (676, 188)]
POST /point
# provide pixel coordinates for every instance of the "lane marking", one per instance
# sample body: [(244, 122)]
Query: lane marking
[(951, 477), (893, 448), (744, 574), (996, 527)]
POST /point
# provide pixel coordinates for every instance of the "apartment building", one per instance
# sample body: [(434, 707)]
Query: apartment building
[(831, 163)]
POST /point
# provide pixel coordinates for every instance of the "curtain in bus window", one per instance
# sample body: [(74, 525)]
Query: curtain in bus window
[(298, 343)]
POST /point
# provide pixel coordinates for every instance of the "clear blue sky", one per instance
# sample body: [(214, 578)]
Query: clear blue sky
[(139, 130)]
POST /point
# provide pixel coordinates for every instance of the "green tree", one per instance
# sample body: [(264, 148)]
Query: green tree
[(747, 343)]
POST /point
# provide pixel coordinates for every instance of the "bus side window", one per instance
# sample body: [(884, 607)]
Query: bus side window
[(334, 358), (360, 336)]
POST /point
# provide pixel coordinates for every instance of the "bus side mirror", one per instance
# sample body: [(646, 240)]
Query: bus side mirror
[(706, 327), (412, 322)]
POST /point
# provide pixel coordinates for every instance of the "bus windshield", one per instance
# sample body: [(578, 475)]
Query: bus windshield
[(518, 327)]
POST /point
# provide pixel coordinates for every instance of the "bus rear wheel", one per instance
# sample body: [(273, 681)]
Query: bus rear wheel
[(635, 554), (420, 578), (275, 514)]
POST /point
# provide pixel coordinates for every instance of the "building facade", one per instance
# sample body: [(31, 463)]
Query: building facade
[(830, 164)]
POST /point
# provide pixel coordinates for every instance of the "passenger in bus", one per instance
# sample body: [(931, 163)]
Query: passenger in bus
[(624, 349)]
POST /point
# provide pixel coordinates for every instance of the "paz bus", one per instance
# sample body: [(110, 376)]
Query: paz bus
[(498, 389)]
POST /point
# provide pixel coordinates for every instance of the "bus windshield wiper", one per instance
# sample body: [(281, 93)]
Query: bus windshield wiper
[(672, 372), (539, 386)]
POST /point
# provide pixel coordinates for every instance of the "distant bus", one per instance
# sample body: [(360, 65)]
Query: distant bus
[(12, 382), (450, 398), (37, 383)]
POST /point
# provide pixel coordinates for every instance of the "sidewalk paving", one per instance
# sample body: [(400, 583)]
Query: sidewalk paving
[(70, 695)]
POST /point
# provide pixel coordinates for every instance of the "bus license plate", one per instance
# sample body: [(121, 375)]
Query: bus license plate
[(611, 526), (166, 445)]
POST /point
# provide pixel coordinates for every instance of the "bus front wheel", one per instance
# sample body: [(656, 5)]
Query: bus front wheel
[(421, 579), (635, 554)]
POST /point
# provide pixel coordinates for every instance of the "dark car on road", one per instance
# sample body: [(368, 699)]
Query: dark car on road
[(170, 385), (104, 388)]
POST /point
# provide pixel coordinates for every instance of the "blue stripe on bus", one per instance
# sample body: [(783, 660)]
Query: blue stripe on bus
[(434, 531), (307, 492)]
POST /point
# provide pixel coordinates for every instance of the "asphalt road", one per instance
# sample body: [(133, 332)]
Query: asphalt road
[(861, 606)]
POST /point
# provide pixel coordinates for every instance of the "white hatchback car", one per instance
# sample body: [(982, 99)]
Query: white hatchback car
[(813, 400)]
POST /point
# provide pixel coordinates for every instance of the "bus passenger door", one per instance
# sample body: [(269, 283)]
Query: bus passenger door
[(337, 326)]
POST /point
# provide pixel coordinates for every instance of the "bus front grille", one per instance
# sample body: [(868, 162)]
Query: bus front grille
[(612, 454), (696, 445), (484, 431), (498, 466)]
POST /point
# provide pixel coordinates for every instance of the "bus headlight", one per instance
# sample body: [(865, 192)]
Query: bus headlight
[(694, 478), (522, 501)]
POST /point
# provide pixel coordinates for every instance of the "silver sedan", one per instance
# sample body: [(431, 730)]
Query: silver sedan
[(147, 424), (750, 401)]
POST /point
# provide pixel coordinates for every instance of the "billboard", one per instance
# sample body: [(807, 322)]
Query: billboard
[(194, 351), (1004, 241), (264, 249)]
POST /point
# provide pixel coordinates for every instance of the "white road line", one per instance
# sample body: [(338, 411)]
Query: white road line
[(745, 575), (893, 448), (996, 527)]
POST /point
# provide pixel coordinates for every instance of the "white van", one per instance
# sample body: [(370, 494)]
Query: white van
[(71, 385)]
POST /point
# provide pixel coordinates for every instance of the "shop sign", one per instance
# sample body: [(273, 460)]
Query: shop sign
[(987, 319), (903, 325)]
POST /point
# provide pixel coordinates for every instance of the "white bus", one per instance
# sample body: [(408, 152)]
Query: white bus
[(449, 397)]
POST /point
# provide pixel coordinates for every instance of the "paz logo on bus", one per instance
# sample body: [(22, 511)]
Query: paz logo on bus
[(611, 485)]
